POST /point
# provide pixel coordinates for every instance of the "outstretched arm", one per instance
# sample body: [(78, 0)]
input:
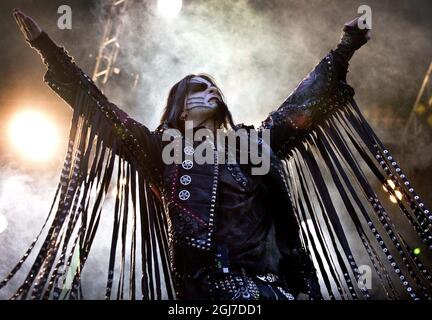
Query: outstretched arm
[(70, 82), (322, 91)]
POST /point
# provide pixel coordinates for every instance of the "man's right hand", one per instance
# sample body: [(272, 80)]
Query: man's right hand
[(27, 25)]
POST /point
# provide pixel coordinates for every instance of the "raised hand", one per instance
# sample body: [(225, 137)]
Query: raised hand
[(353, 25), (27, 25)]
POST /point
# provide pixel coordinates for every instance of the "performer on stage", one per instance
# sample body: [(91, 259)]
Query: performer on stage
[(215, 231)]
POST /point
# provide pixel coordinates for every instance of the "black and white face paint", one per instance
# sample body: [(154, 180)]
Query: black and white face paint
[(202, 94)]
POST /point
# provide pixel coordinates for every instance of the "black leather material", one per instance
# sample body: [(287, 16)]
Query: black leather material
[(225, 217)]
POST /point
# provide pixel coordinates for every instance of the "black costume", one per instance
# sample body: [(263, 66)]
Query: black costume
[(216, 231)]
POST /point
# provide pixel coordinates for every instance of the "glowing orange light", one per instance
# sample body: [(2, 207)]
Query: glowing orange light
[(33, 134)]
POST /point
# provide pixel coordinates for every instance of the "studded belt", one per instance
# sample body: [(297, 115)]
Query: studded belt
[(233, 287), (248, 287)]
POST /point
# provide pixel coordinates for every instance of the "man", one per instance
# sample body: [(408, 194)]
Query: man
[(231, 234)]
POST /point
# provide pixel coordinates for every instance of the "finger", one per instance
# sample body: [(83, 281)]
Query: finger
[(35, 27), (19, 21), (19, 16), (353, 22), (23, 16), (26, 25), (22, 23), (15, 16), (31, 25), (18, 13), (23, 26), (21, 12)]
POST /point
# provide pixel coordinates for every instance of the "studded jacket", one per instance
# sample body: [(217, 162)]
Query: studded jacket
[(220, 216)]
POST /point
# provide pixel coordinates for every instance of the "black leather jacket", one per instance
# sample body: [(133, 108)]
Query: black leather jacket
[(222, 216)]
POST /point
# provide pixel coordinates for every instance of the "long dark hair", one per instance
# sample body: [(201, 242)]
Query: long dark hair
[(176, 101)]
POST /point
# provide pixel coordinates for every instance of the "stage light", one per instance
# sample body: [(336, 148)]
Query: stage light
[(398, 194), (391, 184), (416, 251), (169, 8), (33, 134), (3, 223)]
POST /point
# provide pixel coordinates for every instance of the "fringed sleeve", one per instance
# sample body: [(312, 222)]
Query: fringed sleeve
[(110, 158), (321, 93), (76, 87), (324, 90), (359, 237)]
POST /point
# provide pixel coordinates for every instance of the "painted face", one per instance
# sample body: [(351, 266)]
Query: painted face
[(202, 95)]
